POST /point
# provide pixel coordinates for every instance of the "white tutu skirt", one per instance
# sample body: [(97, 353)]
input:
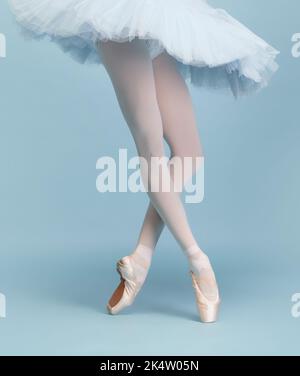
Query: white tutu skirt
[(211, 47)]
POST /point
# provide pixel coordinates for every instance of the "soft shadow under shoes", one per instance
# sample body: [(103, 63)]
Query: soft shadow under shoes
[(208, 306), (129, 286)]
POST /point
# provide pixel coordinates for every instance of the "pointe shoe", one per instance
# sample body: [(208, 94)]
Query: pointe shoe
[(128, 288), (208, 309)]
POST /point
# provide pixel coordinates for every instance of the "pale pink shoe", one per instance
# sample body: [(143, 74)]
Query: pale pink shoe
[(126, 292), (208, 308)]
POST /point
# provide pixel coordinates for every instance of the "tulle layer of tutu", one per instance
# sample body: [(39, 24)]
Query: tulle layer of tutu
[(212, 48)]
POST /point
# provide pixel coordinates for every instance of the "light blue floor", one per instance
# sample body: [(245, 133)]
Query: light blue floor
[(56, 306)]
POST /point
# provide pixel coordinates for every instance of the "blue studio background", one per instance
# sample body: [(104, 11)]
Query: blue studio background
[(60, 238)]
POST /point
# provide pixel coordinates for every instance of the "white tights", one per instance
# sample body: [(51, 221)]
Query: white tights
[(156, 104)]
